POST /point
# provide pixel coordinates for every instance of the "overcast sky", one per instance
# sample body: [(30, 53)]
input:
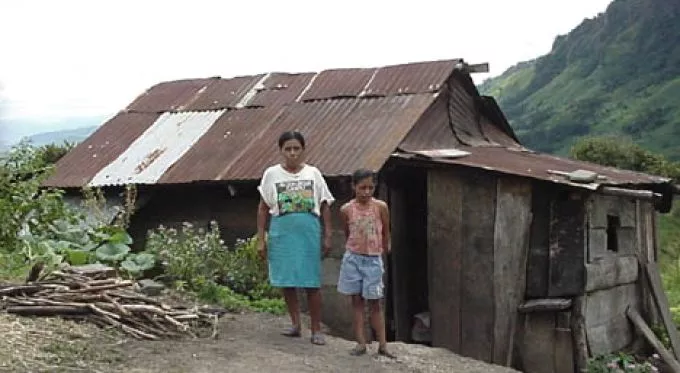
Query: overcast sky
[(68, 58)]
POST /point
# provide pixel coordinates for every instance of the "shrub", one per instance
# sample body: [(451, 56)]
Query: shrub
[(39, 226), (619, 363), (196, 259)]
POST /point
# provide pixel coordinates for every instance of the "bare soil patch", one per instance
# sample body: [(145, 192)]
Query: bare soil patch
[(247, 342)]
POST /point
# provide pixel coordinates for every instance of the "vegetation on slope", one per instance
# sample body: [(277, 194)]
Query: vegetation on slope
[(618, 73)]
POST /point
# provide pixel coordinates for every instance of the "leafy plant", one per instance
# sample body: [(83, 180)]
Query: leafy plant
[(619, 363), (39, 226), (136, 264), (199, 261)]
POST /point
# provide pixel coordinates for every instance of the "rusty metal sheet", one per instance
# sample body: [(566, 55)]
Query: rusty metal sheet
[(222, 93), (79, 165), (342, 135), (495, 134), (537, 166), (433, 130), (234, 134), (281, 89), (338, 83), (418, 77), (168, 96), (157, 149)]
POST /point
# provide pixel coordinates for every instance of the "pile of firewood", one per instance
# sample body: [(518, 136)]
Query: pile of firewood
[(107, 301)]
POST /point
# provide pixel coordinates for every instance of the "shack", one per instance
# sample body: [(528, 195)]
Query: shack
[(519, 258)]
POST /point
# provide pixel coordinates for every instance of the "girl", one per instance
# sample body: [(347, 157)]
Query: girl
[(295, 196), (367, 230)]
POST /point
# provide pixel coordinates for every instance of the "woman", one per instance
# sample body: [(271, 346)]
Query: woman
[(294, 195)]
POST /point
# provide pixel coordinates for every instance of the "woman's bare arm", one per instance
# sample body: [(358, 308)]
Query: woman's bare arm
[(262, 217)]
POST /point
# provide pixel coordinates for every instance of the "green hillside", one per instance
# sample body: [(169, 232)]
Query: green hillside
[(618, 73)]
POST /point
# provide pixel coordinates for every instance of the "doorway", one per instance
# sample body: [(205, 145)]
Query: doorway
[(406, 267)]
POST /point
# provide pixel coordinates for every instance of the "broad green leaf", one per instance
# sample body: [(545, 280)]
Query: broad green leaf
[(77, 257), (88, 246), (112, 252), (136, 263), (121, 237)]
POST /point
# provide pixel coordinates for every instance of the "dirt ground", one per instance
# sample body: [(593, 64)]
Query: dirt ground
[(247, 343)]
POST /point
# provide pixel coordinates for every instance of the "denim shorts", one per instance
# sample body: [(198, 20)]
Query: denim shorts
[(361, 275)]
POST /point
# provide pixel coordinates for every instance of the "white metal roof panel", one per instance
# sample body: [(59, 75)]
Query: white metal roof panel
[(157, 149)]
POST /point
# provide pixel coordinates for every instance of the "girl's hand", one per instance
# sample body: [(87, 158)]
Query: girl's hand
[(326, 245)]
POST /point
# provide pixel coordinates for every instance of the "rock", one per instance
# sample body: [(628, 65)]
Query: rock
[(150, 287)]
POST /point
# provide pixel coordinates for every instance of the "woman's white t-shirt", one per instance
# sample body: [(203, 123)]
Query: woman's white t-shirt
[(286, 192)]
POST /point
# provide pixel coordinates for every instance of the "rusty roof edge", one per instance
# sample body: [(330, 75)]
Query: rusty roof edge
[(659, 179), (654, 180)]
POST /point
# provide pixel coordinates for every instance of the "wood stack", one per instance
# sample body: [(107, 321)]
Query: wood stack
[(95, 296)]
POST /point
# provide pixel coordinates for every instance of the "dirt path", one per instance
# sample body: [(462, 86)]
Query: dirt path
[(251, 343)]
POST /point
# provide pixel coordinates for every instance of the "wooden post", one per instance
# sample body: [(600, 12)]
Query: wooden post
[(578, 332), (640, 324), (662, 304)]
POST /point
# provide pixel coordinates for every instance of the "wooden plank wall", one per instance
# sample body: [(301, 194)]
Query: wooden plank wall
[(445, 223), (478, 228), (511, 241), (538, 260), (555, 266), (566, 272), (477, 307)]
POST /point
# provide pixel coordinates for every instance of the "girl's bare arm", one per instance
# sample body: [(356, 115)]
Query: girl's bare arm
[(385, 217)]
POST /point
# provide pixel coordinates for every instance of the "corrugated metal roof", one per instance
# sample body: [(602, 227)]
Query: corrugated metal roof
[(281, 89), (234, 134), (433, 130), (341, 135), (222, 93), (338, 83), (411, 78), (385, 105), (537, 166), (157, 149), (77, 167), (167, 96)]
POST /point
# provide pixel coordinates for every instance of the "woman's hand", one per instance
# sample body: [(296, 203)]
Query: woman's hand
[(262, 249)]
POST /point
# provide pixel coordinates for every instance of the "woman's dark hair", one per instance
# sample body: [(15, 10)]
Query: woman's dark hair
[(362, 174), (291, 135)]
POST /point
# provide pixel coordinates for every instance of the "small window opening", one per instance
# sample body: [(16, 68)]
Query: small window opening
[(613, 224)]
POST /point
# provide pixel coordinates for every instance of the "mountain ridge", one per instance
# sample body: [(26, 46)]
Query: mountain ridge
[(616, 74)]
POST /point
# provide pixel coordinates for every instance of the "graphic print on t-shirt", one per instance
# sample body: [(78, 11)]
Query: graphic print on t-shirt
[(295, 196)]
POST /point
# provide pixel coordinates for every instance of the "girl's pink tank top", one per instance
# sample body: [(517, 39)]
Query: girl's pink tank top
[(365, 228)]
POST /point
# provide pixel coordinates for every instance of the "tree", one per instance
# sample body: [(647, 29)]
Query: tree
[(623, 153)]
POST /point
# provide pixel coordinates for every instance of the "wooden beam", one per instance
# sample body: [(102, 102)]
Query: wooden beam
[(545, 304), (641, 325), (631, 193), (474, 68), (662, 303)]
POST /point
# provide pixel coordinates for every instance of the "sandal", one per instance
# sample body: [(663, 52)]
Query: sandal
[(383, 352), (318, 339), (293, 331), (358, 350)]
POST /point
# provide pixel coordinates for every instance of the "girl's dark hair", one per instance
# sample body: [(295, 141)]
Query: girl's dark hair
[(362, 174), (291, 135)]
